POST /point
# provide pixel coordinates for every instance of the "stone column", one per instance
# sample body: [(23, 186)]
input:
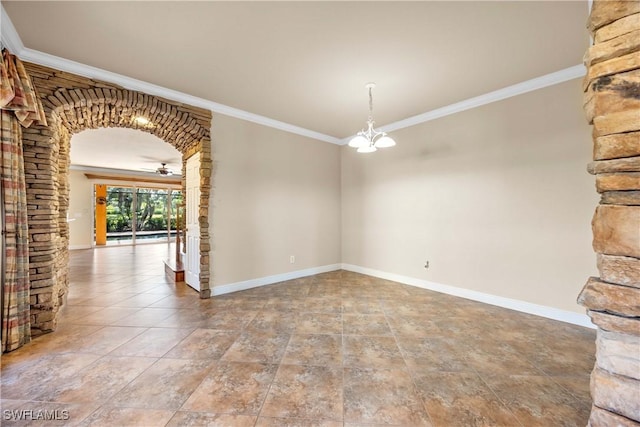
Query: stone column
[(612, 105)]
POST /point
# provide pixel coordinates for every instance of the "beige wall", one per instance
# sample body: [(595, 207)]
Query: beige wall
[(497, 198), (80, 210), (275, 194)]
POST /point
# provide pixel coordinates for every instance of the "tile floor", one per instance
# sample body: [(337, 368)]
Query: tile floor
[(335, 349)]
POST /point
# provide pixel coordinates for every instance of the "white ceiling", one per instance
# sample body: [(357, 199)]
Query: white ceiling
[(306, 63), (128, 149)]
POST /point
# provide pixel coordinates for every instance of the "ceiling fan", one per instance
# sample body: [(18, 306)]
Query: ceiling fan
[(164, 170)]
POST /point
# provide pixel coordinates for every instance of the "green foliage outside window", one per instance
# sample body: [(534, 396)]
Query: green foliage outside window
[(151, 210)]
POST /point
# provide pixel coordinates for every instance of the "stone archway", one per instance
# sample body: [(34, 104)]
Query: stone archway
[(72, 104), (612, 105)]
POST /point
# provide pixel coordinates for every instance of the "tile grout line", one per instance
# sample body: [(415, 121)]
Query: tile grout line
[(409, 371)]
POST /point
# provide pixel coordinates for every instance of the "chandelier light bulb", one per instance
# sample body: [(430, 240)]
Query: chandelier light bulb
[(367, 149), (385, 142), (358, 141)]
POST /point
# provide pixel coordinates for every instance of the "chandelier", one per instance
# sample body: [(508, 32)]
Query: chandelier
[(369, 140)]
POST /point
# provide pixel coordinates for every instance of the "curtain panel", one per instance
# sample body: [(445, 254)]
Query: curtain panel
[(19, 106)]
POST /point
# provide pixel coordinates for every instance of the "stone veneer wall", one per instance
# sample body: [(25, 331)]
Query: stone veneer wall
[(612, 104), (72, 104)]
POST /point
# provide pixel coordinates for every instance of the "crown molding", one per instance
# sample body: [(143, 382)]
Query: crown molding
[(478, 101), (67, 65)]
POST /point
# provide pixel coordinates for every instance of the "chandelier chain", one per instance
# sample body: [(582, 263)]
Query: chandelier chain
[(370, 105)]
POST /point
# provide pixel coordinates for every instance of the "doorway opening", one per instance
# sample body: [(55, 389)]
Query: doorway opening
[(73, 104)]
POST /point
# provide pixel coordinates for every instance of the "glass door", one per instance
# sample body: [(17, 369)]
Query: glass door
[(152, 215), (120, 215), (139, 215)]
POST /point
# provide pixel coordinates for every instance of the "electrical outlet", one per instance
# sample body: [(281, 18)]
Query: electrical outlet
[(426, 264), (292, 259)]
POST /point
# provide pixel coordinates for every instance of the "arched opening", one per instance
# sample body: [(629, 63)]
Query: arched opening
[(73, 104)]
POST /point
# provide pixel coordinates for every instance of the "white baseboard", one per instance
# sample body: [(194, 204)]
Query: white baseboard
[(513, 304), (268, 280), (77, 247)]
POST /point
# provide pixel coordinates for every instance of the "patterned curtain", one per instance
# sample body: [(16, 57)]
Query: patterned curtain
[(19, 105)]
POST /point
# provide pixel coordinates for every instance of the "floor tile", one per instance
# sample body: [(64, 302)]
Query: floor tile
[(96, 382), (153, 342), (186, 299), (107, 339), (206, 344), (11, 404), (413, 326), (199, 419), (305, 392), (382, 397), (233, 320), (491, 358), (559, 359), (366, 324), (461, 399), (28, 379), (359, 305), (140, 300), (539, 401), (63, 341), (372, 352), (260, 347), (578, 386), (106, 316), (145, 317), (107, 299), (406, 309), (284, 303), (130, 417), (165, 385), (296, 422), (318, 350), (185, 318), (71, 312), (275, 321), (318, 323), (325, 304), (232, 388), (322, 290), (434, 354)]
